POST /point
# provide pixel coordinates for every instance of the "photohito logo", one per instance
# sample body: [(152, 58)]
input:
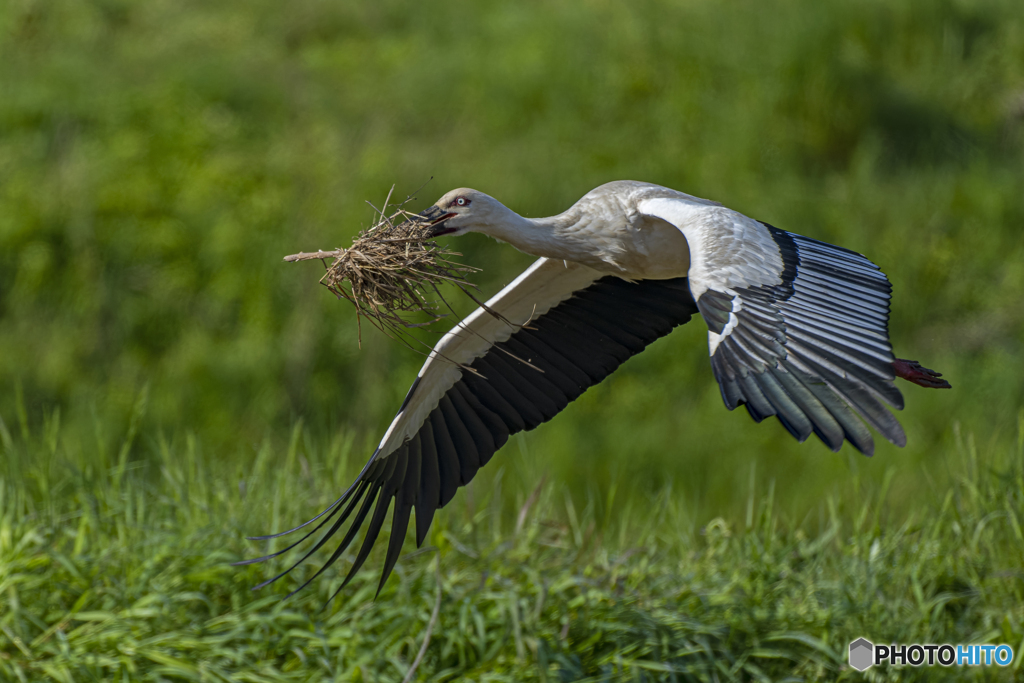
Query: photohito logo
[(864, 654)]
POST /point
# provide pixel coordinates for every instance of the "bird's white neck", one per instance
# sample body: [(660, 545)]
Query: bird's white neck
[(547, 237)]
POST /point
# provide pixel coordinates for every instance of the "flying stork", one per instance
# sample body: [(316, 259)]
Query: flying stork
[(797, 329)]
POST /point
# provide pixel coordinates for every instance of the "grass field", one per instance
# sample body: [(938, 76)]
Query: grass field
[(168, 386), (118, 570)]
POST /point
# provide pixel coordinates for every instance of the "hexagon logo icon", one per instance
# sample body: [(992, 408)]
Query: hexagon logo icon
[(862, 654)]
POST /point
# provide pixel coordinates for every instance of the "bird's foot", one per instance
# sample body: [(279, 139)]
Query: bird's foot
[(912, 371)]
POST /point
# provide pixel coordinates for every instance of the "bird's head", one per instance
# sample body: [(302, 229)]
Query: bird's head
[(461, 211)]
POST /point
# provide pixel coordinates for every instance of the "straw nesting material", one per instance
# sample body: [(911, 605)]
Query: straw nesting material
[(392, 271)]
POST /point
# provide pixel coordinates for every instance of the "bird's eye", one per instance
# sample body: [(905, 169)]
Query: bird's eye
[(461, 201)]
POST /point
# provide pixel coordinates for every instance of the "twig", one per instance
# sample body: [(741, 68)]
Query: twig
[(430, 625), (525, 510), (311, 255)]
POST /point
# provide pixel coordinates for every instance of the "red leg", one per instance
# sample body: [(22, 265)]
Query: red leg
[(912, 371)]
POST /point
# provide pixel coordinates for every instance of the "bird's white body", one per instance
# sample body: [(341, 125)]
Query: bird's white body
[(605, 231), (627, 228), (797, 329), (614, 229)]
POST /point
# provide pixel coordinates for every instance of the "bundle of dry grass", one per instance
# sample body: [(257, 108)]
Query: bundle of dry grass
[(392, 271)]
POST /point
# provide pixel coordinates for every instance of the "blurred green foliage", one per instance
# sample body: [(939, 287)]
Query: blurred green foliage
[(116, 569), (158, 159)]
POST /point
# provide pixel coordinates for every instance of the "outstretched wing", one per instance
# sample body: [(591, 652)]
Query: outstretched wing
[(562, 328), (797, 328)]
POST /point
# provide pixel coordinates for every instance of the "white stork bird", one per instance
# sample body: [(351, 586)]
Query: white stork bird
[(797, 329)]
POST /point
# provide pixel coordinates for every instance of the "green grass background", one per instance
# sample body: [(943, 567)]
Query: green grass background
[(168, 385)]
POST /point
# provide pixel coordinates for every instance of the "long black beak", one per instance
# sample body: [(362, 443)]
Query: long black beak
[(437, 218)]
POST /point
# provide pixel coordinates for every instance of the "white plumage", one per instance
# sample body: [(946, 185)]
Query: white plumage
[(796, 329)]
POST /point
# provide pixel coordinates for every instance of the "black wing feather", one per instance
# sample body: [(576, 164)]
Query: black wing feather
[(404, 500), (515, 386), (814, 350), (580, 379), (447, 459), (465, 445), (430, 483), (487, 428)]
